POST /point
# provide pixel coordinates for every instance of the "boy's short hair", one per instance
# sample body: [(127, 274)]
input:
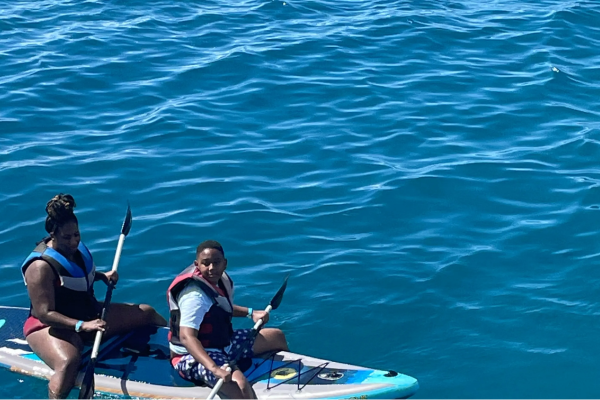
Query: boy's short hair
[(209, 244)]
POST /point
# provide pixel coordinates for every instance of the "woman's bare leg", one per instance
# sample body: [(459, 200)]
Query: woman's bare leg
[(60, 350), (123, 317)]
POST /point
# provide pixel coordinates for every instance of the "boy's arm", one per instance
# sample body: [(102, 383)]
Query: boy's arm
[(239, 311), (193, 305), (189, 338)]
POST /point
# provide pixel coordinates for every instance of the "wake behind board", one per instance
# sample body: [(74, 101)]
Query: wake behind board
[(137, 364)]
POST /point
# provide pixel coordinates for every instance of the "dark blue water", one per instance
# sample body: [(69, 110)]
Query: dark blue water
[(427, 172)]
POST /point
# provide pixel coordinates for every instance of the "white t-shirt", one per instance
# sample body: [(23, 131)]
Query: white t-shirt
[(193, 305)]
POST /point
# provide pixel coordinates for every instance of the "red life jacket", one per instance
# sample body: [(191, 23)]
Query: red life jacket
[(216, 329)]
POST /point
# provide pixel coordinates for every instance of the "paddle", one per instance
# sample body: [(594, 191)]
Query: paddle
[(87, 384), (253, 332)]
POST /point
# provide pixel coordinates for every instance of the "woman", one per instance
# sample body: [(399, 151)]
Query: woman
[(64, 313)]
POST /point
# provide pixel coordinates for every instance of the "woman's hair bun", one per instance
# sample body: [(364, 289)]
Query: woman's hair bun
[(60, 209)]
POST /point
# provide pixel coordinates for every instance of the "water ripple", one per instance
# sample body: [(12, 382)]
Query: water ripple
[(426, 169)]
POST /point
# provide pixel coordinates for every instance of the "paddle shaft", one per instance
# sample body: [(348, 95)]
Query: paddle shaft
[(107, 299), (87, 384), (254, 331)]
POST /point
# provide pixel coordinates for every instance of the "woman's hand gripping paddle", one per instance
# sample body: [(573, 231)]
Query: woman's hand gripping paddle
[(254, 331), (87, 384)]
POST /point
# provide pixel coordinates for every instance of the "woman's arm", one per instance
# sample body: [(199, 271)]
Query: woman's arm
[(100, 276), (40, 278), (106, 276)]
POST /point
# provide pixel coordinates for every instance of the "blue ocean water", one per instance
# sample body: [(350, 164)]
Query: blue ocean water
[(427, 172)]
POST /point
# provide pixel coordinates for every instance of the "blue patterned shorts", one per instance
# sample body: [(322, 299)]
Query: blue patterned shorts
[(192, 370)]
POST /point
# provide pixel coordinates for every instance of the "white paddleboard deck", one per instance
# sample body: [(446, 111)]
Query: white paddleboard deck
[(137, 365)]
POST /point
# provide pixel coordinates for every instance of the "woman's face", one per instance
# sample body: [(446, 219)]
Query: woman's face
[(67, 238)]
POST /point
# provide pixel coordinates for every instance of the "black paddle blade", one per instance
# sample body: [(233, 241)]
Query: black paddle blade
[(87, 384), (279, 295), (127, 223)]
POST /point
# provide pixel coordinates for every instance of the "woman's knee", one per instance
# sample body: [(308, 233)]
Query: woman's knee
[(59, 349), (146, 308), (151, 316), (149, 313), (68, 364), (135, 315)]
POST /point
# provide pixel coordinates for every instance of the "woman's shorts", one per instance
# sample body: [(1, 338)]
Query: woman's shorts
[(32, 324)]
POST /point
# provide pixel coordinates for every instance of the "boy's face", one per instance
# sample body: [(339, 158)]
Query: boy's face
[(211, 264)]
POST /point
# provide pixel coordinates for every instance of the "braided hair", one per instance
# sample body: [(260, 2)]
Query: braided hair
[(60, 212)]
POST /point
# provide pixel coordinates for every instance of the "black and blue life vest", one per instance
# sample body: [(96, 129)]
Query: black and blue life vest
[(74, 292)]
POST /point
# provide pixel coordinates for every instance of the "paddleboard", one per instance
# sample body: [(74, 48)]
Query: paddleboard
[(137, 364)]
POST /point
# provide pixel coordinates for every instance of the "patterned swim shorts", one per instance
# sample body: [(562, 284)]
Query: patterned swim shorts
[(192, 370)]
